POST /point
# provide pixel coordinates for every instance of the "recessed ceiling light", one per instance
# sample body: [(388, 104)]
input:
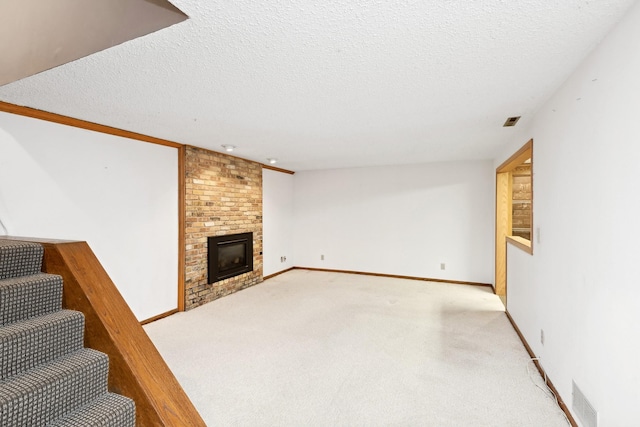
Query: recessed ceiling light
[(272, 161), (228, 147)]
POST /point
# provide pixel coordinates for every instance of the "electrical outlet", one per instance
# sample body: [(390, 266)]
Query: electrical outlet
[(442, 266), (285, 258), (321, 257), (542, 336)]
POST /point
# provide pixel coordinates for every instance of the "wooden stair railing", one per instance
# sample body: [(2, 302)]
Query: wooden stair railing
[(136, 368)]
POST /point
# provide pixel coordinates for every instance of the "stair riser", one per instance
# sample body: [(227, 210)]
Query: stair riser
[(25, 345)]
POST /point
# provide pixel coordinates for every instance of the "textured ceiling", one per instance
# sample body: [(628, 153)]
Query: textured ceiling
[(329, 84)]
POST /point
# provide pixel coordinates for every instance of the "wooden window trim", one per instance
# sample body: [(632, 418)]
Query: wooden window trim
[(521, 242), (503, 215), (525, 152)]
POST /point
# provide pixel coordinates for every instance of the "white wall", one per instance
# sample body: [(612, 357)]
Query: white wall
[(581, 285), (277, 221), (119, 195), (402, 220)]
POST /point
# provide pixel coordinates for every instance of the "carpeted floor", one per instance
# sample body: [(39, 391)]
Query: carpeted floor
[(327, 349)]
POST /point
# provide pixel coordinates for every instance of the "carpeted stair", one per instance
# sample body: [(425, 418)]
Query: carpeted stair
[(47, 377)]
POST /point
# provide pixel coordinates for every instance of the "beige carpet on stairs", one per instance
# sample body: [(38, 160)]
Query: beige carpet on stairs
[(328, 349)]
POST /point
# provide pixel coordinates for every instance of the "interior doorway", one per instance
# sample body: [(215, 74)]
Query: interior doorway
[(506, 233)]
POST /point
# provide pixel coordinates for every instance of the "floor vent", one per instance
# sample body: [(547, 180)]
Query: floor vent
[(583, 408)]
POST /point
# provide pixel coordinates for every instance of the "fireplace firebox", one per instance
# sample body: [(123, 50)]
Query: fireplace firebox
[(229, 256)]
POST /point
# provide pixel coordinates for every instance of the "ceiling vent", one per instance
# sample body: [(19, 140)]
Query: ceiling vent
[(511, 121)]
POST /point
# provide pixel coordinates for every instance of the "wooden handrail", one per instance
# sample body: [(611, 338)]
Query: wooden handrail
[(136, 369)]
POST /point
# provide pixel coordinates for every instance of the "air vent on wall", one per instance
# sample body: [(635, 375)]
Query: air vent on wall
[(583, 408), (511, 121)]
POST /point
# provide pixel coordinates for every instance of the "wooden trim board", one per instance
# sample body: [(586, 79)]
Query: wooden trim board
[(277, 274), (395, 276), (517, 158), (82, 124), (96, 127), (503, 229), (159, 316), (503, 212), (182, 209), (521, 243), (273, 168), (548, 382)]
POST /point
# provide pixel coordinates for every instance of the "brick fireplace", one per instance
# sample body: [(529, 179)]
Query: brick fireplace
[(223, 196)]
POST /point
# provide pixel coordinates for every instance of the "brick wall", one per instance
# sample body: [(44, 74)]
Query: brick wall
[(223, 195)]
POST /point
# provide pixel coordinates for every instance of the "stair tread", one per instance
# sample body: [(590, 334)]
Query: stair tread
[(19, 258), (29, 296), (108, 410), (54, 389), (26, 344)]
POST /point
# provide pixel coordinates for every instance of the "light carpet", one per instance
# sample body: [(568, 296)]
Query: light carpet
[(310, 348)]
